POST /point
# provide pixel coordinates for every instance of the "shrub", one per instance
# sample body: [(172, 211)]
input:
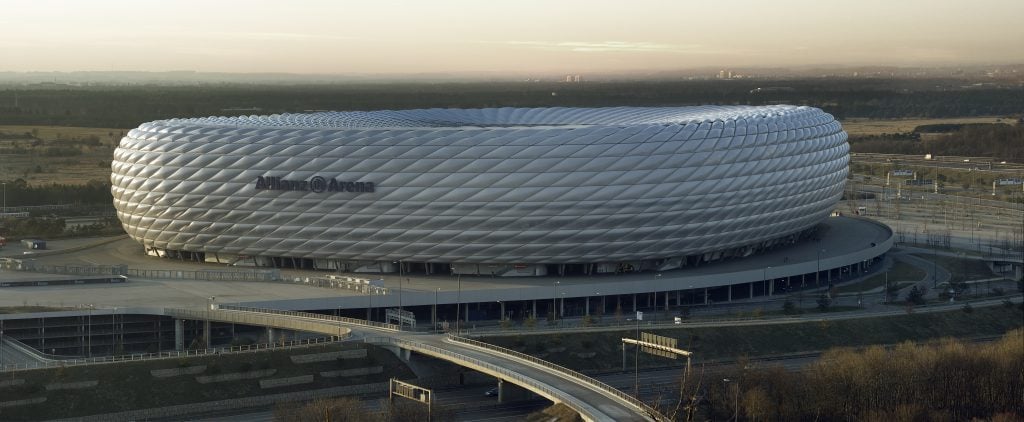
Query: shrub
[(824, 302), (788, 307)]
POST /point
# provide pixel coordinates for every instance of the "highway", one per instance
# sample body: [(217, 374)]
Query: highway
[(955, 162)]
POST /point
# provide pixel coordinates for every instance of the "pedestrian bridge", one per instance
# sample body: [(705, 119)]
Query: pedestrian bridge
[(594, 400)]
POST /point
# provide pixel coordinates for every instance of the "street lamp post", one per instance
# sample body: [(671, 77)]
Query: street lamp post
[(736, 400), (817, 275), (554, 294), (113, 332), (369, 303), (401, 321), (206, 329), (458, 304), (764, 277), (434, 312), (89, 332)]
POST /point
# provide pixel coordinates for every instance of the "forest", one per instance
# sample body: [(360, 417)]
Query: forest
[(1004, 142), (129, 106)]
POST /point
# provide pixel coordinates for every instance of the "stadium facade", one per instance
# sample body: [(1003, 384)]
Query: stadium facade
[(502, 191)]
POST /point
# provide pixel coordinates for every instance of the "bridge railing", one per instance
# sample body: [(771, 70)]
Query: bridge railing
[(343, 320), (573, 403), (250, 348), (653, 413)]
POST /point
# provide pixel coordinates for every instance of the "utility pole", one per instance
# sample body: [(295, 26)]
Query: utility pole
[(458, 304)]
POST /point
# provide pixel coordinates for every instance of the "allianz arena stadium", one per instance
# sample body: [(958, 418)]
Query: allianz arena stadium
[(499, 191)]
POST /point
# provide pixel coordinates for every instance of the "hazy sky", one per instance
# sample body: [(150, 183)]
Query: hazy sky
[(374, 36)]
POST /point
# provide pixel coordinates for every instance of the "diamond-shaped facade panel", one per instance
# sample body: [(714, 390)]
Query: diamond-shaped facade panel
[(507, 185)]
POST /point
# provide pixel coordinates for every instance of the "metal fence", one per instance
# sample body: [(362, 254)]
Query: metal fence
[(650, 411), (213, 275), (343, 320), (55, 363)]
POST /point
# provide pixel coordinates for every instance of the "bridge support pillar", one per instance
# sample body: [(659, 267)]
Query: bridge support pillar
[(405, 355), (634, 303), (666, 300), (586, 306), (534, 315), (751, 289), (501, 391), (771, 287), (502, 311), (179, 334), (271, 335), (466, 314), (729, 288), (679, 298)]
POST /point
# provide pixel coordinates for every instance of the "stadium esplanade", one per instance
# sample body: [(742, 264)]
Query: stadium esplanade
[(497, 191)]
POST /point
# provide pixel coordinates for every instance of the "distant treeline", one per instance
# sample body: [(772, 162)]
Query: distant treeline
[(945, 127), (19, 194), (128, 106), (1000, 141)]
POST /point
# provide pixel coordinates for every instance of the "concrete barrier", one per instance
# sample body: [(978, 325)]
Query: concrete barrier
[(354, 372), (236, 376), (174, 372), (12, 403), (71, 385), (329, 356), (284, 382)]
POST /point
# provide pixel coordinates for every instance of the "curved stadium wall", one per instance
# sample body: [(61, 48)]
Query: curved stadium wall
[(507, 191)]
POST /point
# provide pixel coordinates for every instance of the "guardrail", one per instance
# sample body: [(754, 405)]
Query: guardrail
[(897, 308), (573, 403), (343, 320), (644, 407), (251, 348)]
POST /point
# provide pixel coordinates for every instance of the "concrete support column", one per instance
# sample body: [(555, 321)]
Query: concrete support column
[(534, 315), (561, 311), (705, 295), (666, 300), (751, 289), (179, 334), (586, 306), (502, 311), (730, 292), (501, 391), (771, 287), (603, 307), (679, 298), (271, 335), (634, 303), (466, 314), (433, 316)]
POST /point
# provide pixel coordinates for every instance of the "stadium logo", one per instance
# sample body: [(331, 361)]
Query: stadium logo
[(315, 184)]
